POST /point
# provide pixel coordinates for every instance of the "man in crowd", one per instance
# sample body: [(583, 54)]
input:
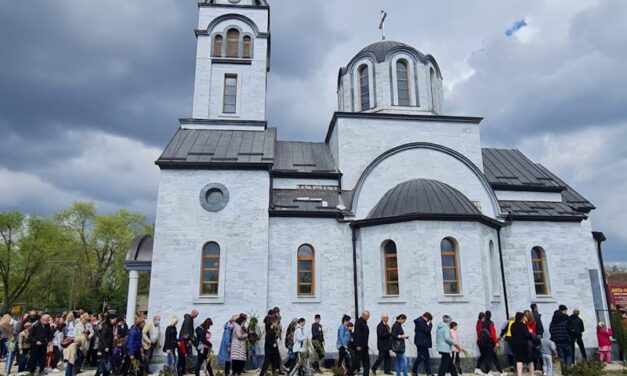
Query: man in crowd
[(150, 335), (317, 337), (360, 344), (423, 342), (560, 330), (384, 344), (40, 335), (576, 324)]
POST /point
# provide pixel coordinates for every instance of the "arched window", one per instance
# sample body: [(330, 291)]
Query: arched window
[(538, 262), (217, 46), (246, 47), (450, 266), (306, 270), (402, 83), (210, 272), (364, 87), (232, 43), (390, 266), (434, 94)]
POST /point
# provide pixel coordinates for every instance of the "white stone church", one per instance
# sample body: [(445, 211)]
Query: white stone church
[(398, 210)]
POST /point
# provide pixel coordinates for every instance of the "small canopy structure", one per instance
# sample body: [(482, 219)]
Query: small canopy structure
[(138, 259)]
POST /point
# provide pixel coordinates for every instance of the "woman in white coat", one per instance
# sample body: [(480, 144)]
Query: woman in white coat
[(299, 347)]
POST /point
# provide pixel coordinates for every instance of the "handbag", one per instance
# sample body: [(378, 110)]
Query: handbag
[(66, 342), (398, 345)]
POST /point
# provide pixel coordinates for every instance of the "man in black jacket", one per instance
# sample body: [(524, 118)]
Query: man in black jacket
[(423, 342), (384, 343), (105, 345), (577, 333), (40, 335), (188, 325), (560, 330), (272, 357), (360, 344), (317, 337)]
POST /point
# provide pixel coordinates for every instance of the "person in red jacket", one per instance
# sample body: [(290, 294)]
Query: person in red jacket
[(605, 343)]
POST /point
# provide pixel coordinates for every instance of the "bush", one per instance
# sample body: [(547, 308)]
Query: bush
[(585, 368), (338, 371)]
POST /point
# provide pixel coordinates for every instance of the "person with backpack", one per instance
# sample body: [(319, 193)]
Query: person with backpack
[(489, 341), (482, 351), (398, 344)]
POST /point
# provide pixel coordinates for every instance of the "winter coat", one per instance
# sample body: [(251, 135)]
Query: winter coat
[(316, 332), (170, 338), (397, 331), (23, 342), (384, 337), (299, 339), (134, 342), (489, 325), (238, 343), (270, 342), (150, 330), (443, 338), (106, 337), (539, 327), (70, 353), (361, 334), (560, 328), (577, 326), (187, 327), (203, 338), (224, 354), (40, 333), (422, 333), (7, 330), (603, 336), (547, 347), (343, 336), (116, 358)]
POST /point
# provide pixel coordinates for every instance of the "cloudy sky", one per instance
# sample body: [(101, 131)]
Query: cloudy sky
[(91, 91)]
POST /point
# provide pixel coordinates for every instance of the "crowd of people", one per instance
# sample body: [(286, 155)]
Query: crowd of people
[(73, 340)]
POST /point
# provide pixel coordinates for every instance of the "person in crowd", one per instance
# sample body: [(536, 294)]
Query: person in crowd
[(360, 344), (343, 338), (254, 333), (183, 351), (292, 357), (298, 348), (70, 353), (105, 345), (83, 326), (92, 353), (121, 329), (224, 354), (577, 329), (530, 321), (560, 329), (40, 336), (150, 336), (238, 345), (480, 344), (169, 344), (6, 331), (398, 345), (488, 341), (506, 335), (271, 346), (117, 356), (57, 350), (537, 317), (423, 342), (519, 343), (384, 345), (317, 338), (24, 345), (456, 348), (548, 350), (188, 325), (204, 346), (605, 343), (134, 348), (445, 343), (9, 350)]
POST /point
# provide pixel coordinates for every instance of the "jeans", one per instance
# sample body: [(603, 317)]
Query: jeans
[(69, 369), (422, 356), (401, 364), (446, 365), (253, 357), (103, 365), (564, 351), (384, 357), (171, 359), (547, 360), (9, 359)]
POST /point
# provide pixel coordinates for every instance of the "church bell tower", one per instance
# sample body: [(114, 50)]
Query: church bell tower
[(232, 63)]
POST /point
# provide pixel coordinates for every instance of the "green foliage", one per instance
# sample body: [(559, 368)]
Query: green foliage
[(166, 371), (585, 368), (338, 371), (618, 329)]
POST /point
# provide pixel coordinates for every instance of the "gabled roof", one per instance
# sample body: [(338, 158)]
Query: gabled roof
[(569, 195), (304, 157), (509, 169), (541, 210)]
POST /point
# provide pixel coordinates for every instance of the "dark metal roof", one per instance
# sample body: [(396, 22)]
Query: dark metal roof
[(540, 210), (511, 169), (308, 201), (569, 195), (207, 147), (292, 156), (140, 250), (423, 196), (381, 48)]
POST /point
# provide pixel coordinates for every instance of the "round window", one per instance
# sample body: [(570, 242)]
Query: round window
[(214, 197)]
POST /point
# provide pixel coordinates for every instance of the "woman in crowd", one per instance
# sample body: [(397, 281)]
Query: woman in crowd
[(343, 338), (480, 343), (289, 343), (456, 348), (169, 344), (224, 355), (238, 345), (605, 343), (134, 348), (204, 346), (6, 331), (105, 345), (298, 347), (398, 344), (69, 325), (490, 344), (519, 342)]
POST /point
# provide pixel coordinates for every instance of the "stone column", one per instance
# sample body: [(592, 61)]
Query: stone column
[(131, 302)]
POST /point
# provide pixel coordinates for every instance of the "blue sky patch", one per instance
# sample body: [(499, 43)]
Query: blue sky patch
[(515, 27)]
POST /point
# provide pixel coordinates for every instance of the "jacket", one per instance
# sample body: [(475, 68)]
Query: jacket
[(489, 325), (397, 331), (603, 336), (547, 347), (187, 327), (422, 333), (455, 336), (238, 343), (224, 354), (299, 339), (577, 326), (343, 336), (23, 342), (121, 330), (361, 334), (384, 337), (203, 341), (444, 341), (316, 332), (134, 341), (560, 328), (150, 331), (70, 353), (170, 338), (270, 342), (40, 333), (539, 327), (7, 330), (106, 337)]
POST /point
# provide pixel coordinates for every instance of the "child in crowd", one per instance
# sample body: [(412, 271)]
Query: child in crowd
[(117, 356), (23, 346), (10, 347), (548, 349), (605, 343), (457, 347)]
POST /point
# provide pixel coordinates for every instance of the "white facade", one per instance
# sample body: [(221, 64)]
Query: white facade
[(374, 151)]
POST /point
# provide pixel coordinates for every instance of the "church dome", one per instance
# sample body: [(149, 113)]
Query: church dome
[(422, 196), (382, 48)]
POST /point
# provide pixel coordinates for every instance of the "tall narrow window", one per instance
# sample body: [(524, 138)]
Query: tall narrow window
[(306, 270), (246, 48), (217, 46), (402, 83), (364, 84), (450, 266), (538, 262), (210, 273), (390, 264), (230, 94), (494, 269), (232, 43), (434, 94)]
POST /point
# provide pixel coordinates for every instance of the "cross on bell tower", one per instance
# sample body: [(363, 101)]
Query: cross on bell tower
[(382, 24)]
